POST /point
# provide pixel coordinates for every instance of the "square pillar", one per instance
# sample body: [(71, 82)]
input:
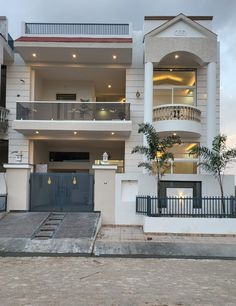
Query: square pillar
[(104, 192), (18, 188)]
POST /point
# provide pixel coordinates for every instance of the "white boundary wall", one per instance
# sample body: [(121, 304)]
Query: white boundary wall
[(189, 225)]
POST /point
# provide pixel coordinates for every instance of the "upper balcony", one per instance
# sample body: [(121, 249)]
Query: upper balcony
[(3, 120), (6, 41), (64, 118), (76, 42), (182, 119), (175, 102)]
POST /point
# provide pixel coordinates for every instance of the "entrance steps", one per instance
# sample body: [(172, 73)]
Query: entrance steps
[(49, 227)]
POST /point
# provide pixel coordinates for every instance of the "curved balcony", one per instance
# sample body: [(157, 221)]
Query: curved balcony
[(182, 119)]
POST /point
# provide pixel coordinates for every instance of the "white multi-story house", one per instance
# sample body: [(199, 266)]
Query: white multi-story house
[(76, 91)]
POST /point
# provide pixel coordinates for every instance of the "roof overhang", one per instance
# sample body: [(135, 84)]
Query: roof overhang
[(92, 50)]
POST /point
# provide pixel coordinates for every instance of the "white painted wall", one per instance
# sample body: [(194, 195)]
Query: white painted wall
[(189, 225), (125, 203), (134, 83), (147, 183), (83, 89), (18, 89)]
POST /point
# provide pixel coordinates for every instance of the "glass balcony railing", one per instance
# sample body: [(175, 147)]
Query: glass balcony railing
[(3, 119), (72, 111)]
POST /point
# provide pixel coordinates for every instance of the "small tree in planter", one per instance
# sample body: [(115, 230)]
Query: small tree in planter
[(156, 152), (215, 160)]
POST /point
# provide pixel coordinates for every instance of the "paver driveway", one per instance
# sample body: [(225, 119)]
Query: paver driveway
[(116, 281)]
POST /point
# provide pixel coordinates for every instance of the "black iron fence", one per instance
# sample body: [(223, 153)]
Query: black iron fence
[(77, 29), (205, 207)]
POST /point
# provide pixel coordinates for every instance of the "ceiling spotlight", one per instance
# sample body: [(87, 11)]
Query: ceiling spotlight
[(174, 134), (74, 55), (109, 86), (112, 133), (176, 56), (36, 132), (114, 56), (75, 133), (34, 54)]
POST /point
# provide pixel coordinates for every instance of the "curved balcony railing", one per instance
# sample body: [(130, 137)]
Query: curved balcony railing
[(3, 119), (176, 112)]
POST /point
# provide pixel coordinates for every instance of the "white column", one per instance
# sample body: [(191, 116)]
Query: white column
[(211, 103), (148, 92)]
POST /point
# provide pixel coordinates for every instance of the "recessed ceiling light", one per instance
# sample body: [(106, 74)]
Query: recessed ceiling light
[(114, 56), (109, 86), (176, 56), (75, 133), (171, 70), (174, 134), (74, 55), (112, 133), (34, 54), (36, 132)]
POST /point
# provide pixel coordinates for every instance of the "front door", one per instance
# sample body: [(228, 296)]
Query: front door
[(66, 192)]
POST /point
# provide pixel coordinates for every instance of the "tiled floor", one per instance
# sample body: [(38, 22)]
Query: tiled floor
[(135, 233)]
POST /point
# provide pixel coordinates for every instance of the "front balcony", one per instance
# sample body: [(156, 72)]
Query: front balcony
[(59, 118), (3, 120), (182, 119)]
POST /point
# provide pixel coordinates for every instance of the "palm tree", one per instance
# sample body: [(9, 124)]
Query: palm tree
[(215, 160), (156, 152)]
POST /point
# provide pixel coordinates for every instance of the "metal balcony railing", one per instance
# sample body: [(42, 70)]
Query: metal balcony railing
[(72, 111), (77, 29), (176, 112), (3, 119), (10, 42), (205, 207)]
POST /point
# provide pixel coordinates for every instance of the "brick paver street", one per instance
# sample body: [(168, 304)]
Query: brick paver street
[(116, 281)]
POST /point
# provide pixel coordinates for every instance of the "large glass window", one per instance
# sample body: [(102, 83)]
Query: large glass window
[(183, 162), (174, 87)]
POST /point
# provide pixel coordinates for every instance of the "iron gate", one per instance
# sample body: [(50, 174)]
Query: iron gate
[(65, 192)]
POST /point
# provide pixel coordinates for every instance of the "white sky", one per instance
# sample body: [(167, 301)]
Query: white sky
[(224, 24)]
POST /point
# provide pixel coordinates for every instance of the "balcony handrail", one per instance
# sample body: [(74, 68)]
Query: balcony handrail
[(107, 29), (71, 101), (72, 110), (3, 114), (173, 87), (175, 105), (176, 112)]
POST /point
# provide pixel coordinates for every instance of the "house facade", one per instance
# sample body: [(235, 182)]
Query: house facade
[(76, 94)]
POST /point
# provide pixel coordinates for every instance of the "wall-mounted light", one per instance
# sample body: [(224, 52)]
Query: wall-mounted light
[(138, 94)]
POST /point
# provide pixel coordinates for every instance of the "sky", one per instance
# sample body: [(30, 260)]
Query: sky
[(224, 24)]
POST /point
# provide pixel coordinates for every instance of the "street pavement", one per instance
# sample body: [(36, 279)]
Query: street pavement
[(65, 281)]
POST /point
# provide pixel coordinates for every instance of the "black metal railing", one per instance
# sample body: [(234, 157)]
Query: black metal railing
[(77, 29), (3, 119), (10, 42), (204, 207), (3, 202), (72, 111)]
